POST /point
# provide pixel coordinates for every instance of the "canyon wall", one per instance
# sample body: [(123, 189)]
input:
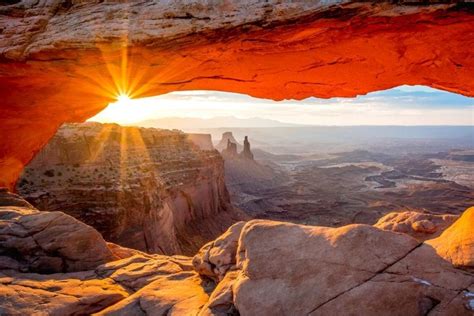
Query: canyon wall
[(147, 189), (64, 61)]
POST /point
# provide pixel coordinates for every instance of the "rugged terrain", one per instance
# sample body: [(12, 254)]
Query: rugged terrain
[(329, 187), (64, 61), (51, 263), (158, 191)]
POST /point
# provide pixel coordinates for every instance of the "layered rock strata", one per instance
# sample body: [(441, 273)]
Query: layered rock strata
[(147, 189), (65, 61)]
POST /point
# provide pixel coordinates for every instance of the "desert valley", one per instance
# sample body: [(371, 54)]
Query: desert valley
[(236, 158)]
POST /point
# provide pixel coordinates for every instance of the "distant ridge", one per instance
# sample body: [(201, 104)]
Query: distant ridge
[(187, 123)]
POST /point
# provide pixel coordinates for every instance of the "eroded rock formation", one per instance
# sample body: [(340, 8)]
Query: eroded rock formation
[(419, 225), (230, 152), (246, 153), (143, 188), (289, 269), (64, 61), (228, 137), (255, 268)]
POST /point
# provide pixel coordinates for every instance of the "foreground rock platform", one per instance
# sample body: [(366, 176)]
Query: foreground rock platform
[(256, 268)]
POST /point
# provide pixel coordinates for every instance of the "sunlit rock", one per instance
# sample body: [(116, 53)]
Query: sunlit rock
[(456, 244), (153, 190), (420, 225), (65, 61)]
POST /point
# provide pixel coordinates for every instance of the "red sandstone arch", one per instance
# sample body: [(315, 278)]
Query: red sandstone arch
[(46, 80)]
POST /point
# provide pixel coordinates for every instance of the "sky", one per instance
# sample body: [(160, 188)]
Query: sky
[(404, 105)]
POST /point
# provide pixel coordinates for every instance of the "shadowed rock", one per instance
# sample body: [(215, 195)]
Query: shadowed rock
[(49, 242)]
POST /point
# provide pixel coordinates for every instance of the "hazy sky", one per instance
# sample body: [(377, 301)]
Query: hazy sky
[(404, 105)]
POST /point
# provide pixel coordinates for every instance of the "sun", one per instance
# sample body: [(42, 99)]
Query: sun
[(123, 98)]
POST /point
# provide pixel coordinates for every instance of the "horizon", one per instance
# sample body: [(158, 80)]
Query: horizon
[(400, 106)]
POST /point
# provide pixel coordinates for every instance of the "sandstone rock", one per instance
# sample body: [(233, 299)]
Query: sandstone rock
[(246, 153), (66, 57), (262, 268), (143, 188), (419, 225), (227, 137), (177, 294), (291, 269), (230, 152), (120, 252), (203, 141), (83, 292), (221, 300), (66, 294), (421, 283), (217, 257), (10, 199), (50, 241), (138, 271), (456, 244)]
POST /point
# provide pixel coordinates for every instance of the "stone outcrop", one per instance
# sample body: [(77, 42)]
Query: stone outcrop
[(456, 244), (70, 59), (255, 268), (178, 294), (226, 139), (419, 225), (48, 242), (203, 141), (230, 152), (291, 269), (52, 264), (246, 153), (218, 256), (146, 189)]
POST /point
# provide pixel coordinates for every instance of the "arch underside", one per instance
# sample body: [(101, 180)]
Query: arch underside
[(48, 78)]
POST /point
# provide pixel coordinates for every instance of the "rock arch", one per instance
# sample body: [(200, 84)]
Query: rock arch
[(62, 63)]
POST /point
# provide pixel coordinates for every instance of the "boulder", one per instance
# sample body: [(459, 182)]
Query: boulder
[(288, 269), (291, 269), (217, 257), (419, 225), (50, 242), (456, 244)]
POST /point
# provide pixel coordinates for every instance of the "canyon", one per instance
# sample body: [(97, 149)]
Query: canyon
[(135, 221), (157, 191)]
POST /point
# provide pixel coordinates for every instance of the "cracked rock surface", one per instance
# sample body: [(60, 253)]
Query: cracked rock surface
[(255, 268), (287, 269)]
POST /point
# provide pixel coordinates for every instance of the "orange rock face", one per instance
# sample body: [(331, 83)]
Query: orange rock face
[(57, 66)]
